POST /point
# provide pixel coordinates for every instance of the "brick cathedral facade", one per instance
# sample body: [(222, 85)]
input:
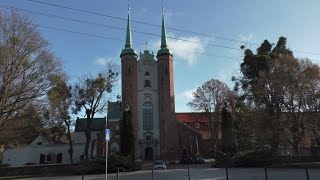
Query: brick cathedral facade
[(148, 91)]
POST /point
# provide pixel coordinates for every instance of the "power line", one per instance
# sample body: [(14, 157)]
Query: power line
[(109, 38), (109, 26), (138, 22), (115, 27), (173, 28)]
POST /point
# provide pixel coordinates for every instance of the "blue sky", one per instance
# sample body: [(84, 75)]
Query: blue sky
[(194, 63)]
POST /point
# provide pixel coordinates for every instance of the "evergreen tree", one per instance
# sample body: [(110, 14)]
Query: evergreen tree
[(127, 135), (228, 139)]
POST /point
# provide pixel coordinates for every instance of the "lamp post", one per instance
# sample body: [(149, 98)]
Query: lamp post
[(108, 134)]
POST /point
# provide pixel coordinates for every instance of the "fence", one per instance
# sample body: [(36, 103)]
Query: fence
[(221, 173)]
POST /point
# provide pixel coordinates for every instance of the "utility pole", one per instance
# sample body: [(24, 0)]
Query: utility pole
[(108, 134)]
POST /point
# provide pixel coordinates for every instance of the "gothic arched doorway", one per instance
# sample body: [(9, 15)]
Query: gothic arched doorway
[(148, 154)]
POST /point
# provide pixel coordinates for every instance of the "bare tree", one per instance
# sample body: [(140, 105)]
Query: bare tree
[(210, 98), (26, 64), (91, 95)]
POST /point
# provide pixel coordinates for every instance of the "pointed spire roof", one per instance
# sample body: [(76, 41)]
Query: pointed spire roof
[(128, 46), (163, 34), (164, 47), (128, 37)]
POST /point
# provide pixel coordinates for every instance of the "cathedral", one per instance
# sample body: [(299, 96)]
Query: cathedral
[(148, 91)]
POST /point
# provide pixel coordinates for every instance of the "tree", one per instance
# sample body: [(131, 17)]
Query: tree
[(210, 98), (227, 128), (60, 101), (90, 94), (260, 87), (276, 84), (127, 135), (300, 80), (26, 65), (24, 129)]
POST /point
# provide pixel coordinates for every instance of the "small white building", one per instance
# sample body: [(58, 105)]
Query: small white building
[(42, 151)]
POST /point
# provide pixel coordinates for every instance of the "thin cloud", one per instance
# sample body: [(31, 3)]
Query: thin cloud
[(186, 95), (186, 48), (102, 61)]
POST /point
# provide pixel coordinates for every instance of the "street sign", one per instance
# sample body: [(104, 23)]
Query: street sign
[(108, 135)]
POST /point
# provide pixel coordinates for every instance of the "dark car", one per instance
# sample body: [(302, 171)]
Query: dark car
[(198, 159), (30, 163)]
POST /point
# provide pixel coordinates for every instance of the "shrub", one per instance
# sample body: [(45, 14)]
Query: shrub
[(115, 161), (254, 158)]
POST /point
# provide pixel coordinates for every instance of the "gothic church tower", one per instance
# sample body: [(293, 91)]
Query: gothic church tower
[(168, 131), (129, 78)]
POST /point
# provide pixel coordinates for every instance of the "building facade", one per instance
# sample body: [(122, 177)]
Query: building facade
[(148, 91)]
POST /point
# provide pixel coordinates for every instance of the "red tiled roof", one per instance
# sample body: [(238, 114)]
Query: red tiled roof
[(191, 117)]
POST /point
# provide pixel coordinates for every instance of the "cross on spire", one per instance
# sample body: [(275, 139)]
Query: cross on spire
[(129, 1), (162, 8)]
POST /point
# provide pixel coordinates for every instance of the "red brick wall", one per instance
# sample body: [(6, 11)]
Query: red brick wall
[(168, 126), (129, 89)]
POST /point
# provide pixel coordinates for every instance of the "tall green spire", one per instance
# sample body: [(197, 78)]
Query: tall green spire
[(163, 34), (164, 47), (128, 46), (128, 37)]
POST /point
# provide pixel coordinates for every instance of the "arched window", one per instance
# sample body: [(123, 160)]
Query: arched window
[(59, 158), (147, 83), (147, 116), (49, 157), (42, 158)]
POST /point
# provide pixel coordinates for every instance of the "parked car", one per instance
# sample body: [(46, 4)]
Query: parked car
[(198, 159), (159, 164), (30, 163)]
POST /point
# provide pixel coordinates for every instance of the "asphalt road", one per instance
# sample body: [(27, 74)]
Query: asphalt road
[(204, 174)]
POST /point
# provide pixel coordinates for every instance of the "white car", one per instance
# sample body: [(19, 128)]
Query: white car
[(159, 164)]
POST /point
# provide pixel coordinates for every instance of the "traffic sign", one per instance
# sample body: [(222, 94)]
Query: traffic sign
[(108, 135)]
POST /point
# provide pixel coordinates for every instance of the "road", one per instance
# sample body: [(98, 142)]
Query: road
[(204, 174)]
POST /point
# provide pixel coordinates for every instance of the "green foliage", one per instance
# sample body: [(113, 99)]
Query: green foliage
[(91, 92), (91, 95), (127, 135), (227, 127), (60, 98), (279, 89)]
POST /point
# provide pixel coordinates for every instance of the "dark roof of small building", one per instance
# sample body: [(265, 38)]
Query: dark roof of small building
[(114, 111), (98, 124)]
